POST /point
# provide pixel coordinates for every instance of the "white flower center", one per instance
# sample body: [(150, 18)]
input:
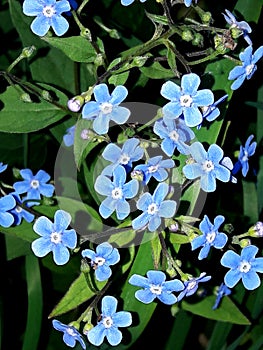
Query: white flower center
[(55, 237), (174, 135), (245, 156), (71, 332), (106, 107), (124, 159), (18, 209), (208, 165), (244, 266), (34, 184), (99, 261), (107, 322), (186, 100), (153, 168), (48, 11), (191, 285), (156, 289), (210, 237), (152, 209), (116, 193), (249, 69)]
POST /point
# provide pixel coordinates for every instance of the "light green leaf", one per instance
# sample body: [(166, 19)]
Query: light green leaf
[(157, 71), (179, 239), (119, 79)]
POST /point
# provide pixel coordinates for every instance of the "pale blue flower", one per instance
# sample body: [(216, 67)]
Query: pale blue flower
[(48, 14), (102, 259), (192, 284), (222, 291), (155, 286), (175, 134), (156, 168), (2, 167), (55, 237), (210, 236), (248, 67), (109, 323), (117, 191), (243, 26), (106, 108), (245, 152), (71, 334), (206, 166), (186, 99), (129, 2), (68, 138), (6, 203), (154, 208), (19, 212), (243, 267)]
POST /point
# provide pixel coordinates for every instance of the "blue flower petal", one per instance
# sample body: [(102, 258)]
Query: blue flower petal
[(90, 110), (43, 226), (122, 319), (118, 95), (120, 115), (62, 220), (173, 285), (6, 219), (251, 280), (145, 296), (167, 209), (41, 247), (249, 252), (69, 239), (60, 254), (101, 93), (192, 171), (258, 54), (172, 110), (190, 83), (139, 281), (112, 153), (114, 336), (198, 242), (96, 334), (232, 277), (103, 185), (101, 124), (160, 193), (59, 24), (222, 173), (156, 277), (192, 116), (88, 253), (62, 6), (108, 305), (107, 207), (167, 299), (144, 201), (122, 209), (230, 259), (103, 272), (154, 222), (171, 91), (203, 97), (40, 25)]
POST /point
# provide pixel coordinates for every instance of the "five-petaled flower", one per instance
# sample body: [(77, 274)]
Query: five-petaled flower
[(6, 203), (207, 166), (19, 212), (48, 14), (210, 237), (34, 185), (109, 323), (245, 152), (102, 259), (154, 208), (186, 99), (106, 108), (71, 334), (155, 286), (242, 26), (55, 237), (244, 266), (248, 67), (117, 191), (191, 285), (221, 292)]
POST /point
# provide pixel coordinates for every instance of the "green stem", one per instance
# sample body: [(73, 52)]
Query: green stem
[(82, 5)]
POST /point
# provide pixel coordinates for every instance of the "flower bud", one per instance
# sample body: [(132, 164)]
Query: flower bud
[(174, 227), (245, 242), (46, 96), (198, 40), (99, 60), (137, 175), (84, 266), (256, 230), (25, 97), (87, 327), (235, 32), (75, 103), (86, 134), (206, 17), (187, 35), (28, 51)]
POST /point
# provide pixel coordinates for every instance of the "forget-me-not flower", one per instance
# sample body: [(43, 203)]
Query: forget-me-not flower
[(68, 138), (207, 166), (102, 259), (129, 2), (55, 237), (71, 334), (156, 168), (243, 26), (175, 134), (109, 323), (245, 152), (2, 167), (186, 99), (19, 212), (125, 156), (6, 204), (154, 208), (34, 185), (117, 191), (191, 285), (48, 14), (210, 236), (155, 286), (243, 267), (211, 112), (106, 108), (248, 67), (222, 291)]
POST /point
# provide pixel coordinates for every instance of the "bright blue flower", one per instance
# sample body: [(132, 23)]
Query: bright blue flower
[(210, 237), (34, 185), (243, 26), (245, 152), (243, 267), (186, 99), (129, 2), (71, 334), (109, 323), (207, 166), (211, 112), (248, 67), (106, 108), (48, 14), (19, 212), (175, 135), (222, 291), (191, 285), (68, 138), (154, 286), (2, 167), (6, 203), (154, 208), (117, 191), (101, 261), (55, 237), (125, 156), (156, 168)]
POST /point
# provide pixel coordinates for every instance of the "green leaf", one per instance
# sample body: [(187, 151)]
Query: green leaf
[(250, 13), (77, 48), (250, 201), (227, 312), (157, 71), (16, 247), (179, 238), (119, 79), (22, 117)]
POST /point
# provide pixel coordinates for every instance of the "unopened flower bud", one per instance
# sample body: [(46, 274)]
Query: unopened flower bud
[(84, 266), (235, 32), (28, 51), (75, 103), (245, 242), (198, 40), (86, 134), (171, 271), (137, 175), (25, 97), (99, 60), (87, 327), (174, 227), (46, 96), (256, 230), (206, 17), (187, 35), (113, 33)]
